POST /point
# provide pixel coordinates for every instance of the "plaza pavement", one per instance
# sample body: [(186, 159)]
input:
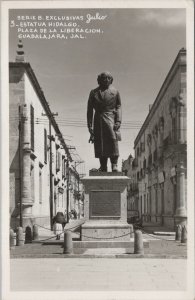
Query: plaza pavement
[(101, 274), (39, 267)]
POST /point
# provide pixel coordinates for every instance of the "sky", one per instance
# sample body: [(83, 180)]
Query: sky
[(138, 46)]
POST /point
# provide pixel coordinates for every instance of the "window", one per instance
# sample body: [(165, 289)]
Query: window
[(174, 130), (58, 200), (45, 145), (147, 204), (150, 160), (144, 164), (155, 156), (32, 126), (145, 207), (32, 181), (40, 185), (142, 173), (58, 160), (141, 205), (142, 147), (64, 168)]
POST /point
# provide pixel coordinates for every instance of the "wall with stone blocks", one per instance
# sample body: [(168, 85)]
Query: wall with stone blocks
[(16, 97), (32, 98), (22, 91)]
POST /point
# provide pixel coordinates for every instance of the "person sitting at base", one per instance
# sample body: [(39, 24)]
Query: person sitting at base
[(59, 223), (104, 121)]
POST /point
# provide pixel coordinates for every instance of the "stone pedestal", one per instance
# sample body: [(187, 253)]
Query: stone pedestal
[(105, 208)]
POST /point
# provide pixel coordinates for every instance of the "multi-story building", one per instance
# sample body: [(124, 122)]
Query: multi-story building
[(132, 188), (40, 161), (160, 153)]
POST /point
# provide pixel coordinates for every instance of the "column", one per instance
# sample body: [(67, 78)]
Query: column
[(26, 165), (149, 204), (156, 201), (162, 203), (181, 120), (181, 202)]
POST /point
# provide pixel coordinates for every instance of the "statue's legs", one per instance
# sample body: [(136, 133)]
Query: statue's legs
[(103, 164), (114, 162)]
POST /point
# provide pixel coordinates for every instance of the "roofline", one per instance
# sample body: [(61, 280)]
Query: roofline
[(177, 62), (38, 89)]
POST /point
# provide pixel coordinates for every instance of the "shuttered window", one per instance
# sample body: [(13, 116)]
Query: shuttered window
[(32, 128)]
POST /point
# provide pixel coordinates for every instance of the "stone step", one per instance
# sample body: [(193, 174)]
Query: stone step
[(98, 244), (164, 233), (106, 251)]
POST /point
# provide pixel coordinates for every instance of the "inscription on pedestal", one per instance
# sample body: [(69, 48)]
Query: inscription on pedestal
[(105, 204)]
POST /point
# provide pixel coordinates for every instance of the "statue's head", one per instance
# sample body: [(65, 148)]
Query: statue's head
[(105, 79)]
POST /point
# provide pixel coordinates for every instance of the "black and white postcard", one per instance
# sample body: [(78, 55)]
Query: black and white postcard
[(97, 150)]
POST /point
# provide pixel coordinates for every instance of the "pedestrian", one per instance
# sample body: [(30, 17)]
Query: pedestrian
[(104, 121), (59, 222)]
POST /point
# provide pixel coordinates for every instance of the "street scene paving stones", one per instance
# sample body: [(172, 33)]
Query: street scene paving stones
[(98, 274)]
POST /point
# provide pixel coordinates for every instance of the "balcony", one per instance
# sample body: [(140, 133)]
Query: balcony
[(172, 144), (133, 189), (167, 142)]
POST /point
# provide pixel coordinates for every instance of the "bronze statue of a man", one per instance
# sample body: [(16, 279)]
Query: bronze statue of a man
[(104, 121)]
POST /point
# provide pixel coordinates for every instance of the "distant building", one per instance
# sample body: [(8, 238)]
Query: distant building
[(40, 161), (159, 167)]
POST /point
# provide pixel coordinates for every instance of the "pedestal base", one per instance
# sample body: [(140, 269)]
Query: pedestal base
[(105, 208), (103, 232)]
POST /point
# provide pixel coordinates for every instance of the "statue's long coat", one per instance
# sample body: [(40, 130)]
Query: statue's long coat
[(103, 111)]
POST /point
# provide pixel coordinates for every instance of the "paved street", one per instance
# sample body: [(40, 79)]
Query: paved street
[(97, 274), (158, 248)]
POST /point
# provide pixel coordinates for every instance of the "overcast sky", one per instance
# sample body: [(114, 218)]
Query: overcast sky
[(138, 46)]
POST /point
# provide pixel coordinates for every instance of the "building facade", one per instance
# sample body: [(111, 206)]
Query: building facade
[(158, 171), (40, 161), (132, 189)]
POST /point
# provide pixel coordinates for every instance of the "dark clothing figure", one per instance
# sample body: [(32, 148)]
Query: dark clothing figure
[(104, 119), (59, 222)]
